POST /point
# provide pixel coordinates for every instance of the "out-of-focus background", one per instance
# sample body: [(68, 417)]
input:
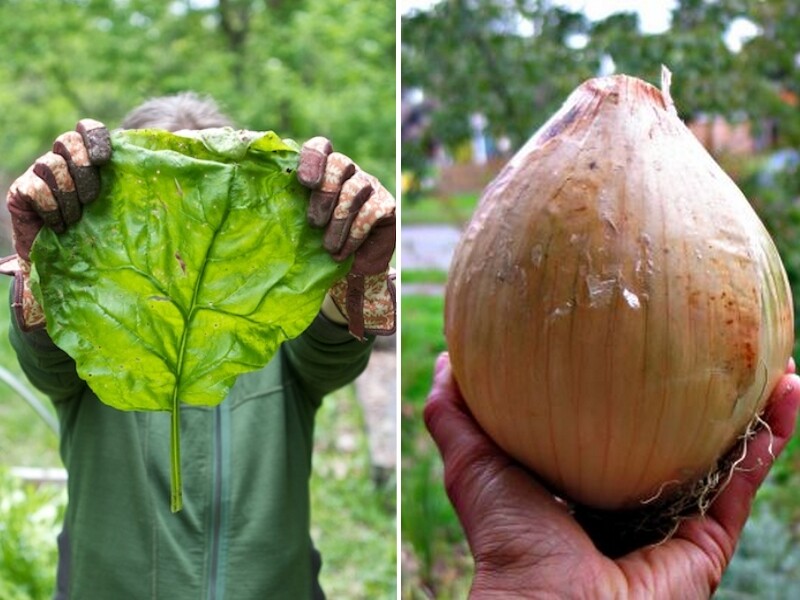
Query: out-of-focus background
[(298, 67), (478, 78)]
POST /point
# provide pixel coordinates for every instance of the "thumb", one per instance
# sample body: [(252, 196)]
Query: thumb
[(447, 418), (474, 464), (461, 442)]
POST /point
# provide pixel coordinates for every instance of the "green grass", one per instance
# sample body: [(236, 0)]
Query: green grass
[(423, 276), (353, 522), (422, 339), (435, 557), (25, 439), (436, 561), (455, 210)]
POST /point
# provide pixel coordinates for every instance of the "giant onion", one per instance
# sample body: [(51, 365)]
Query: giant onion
[(616, 313)]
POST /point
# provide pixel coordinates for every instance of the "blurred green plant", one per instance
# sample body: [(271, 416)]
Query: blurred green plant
[(25, 439), (301, 68), (767, 561), (456, 210), (26, 393), (424, 276), (429, 524), (30, 518), (353, 520)]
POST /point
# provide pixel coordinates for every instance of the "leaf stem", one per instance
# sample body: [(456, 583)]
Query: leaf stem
[(176, 485)]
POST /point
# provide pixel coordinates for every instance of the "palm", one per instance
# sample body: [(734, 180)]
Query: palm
[(526, 543)]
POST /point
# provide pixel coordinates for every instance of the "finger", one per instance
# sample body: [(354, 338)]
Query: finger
[(468, 454), (444, 385), (26, 221), (444, 413), (715, 535), (732, 506), (53, 170), (460, 441), (96, 139), (338, 169), (71, 148), (377, 212), (374, 253), (791, 367), (311, 164), (697, 567), (499, 503), (29, 190), (354, 193)]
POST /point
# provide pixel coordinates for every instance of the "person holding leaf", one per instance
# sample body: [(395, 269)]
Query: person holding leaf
[(243, 528)]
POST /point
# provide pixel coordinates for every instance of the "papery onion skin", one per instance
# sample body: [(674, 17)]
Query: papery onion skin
[(616, 313)]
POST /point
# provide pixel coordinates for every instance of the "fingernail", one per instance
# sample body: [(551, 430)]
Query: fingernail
[(311, 168), (791, 386), (442, 364)]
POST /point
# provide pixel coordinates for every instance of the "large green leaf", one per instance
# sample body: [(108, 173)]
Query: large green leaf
[(192, 267)]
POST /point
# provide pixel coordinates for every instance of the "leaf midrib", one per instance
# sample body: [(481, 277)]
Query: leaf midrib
[(192, 308), (176, 501)]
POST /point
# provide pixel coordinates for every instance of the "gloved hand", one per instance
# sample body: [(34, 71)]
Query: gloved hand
[(51, 193), (358, 215)]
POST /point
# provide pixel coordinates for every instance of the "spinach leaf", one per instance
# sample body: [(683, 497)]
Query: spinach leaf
[(192, 267)]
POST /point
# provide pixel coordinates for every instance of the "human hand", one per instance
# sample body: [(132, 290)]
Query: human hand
[(51, 193), (526, 544), (358, 215)]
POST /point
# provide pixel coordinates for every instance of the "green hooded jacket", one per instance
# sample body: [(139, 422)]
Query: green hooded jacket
[(244, 530)]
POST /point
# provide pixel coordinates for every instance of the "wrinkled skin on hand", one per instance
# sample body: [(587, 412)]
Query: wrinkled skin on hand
[(358, 216), (51, 193), (526, 544)]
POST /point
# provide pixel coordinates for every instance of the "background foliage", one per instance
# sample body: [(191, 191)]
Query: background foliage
[(515, 61), (299, 67)]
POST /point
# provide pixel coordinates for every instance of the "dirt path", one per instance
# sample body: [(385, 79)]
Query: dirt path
[(427, 246)]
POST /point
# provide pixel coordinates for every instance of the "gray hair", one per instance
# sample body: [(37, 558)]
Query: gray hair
[(186, 110)]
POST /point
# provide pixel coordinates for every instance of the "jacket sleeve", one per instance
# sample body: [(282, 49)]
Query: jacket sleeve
[(326, 357), (48, 368)]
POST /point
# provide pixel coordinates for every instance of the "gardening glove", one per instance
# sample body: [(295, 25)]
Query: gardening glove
[(51, 193), (358, 215)]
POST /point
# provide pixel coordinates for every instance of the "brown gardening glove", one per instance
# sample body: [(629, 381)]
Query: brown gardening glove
[(52, 193), (358, 215)]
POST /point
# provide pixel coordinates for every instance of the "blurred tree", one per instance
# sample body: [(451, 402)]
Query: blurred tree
[(705, 71), (772, 59), (516, 60), (303, 68), (478, 56)]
